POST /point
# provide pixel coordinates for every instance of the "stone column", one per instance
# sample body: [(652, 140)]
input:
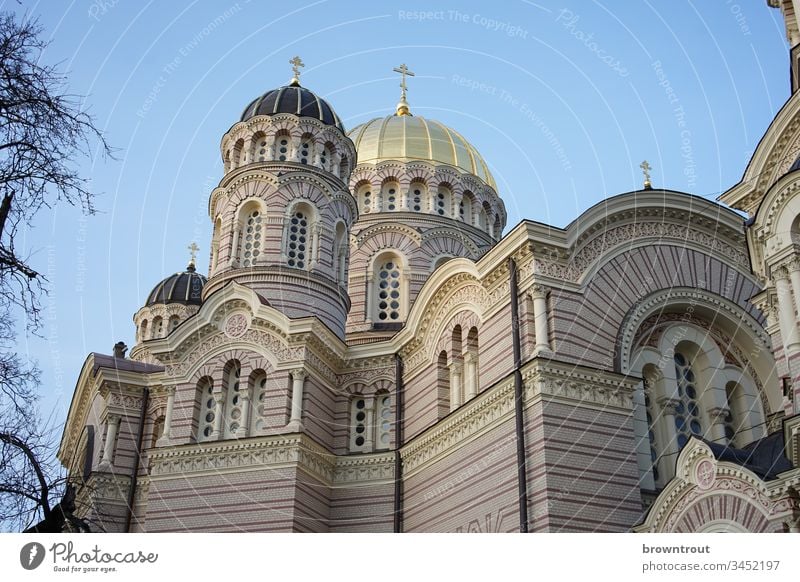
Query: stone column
[(470, 376), (295, 421), (369, 433), (164, 438), (232, 260), (455, 385), (314, 254), (794, 276), (112, 422), (786, 316), (244, 427), (718, 417), (668, 409), (219, 401), (539, 296)]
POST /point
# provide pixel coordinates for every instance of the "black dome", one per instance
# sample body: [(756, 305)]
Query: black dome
[(185, 288), (293, 99)]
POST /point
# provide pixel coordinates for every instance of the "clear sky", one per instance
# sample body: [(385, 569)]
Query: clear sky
[(563, 99)]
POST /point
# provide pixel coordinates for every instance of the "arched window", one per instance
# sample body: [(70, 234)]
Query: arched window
[(483, 221), (652, 414), (365, 198), (233, 400), (389, 289), (300, 238), (282, 140), (443, 201), (305, 152), (383, 425), (344, 168), (359, 424), (208, 409), (158, 327), (389, 196), (174, 321), (252, 231), (416, 196), (326, 156), (260, 147), (258, 382), (687, 411), (238, 153), (340, 253), (471, 372), (143, 331), (498, 228)]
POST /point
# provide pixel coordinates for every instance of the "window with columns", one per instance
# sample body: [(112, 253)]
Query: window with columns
[(388, 289), (208, 409), (158, 328), (305, 152), (232, 407), (390, 196), (300, 239), (251, 234), (465, 207), (340, 253), (416, 196), (690, 388), (143, 331), (258, 389), (464, 379), (443, 202), (370, 422), (443, 384)]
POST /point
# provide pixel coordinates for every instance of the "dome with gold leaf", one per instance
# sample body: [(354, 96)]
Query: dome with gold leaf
[(406, 137)]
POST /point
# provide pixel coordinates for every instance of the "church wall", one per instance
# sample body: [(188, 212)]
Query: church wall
[(261, 500), (311, 505), (421, 406), (576, 486), (318, 404), (364, 509), (473, 488), (495, 348)]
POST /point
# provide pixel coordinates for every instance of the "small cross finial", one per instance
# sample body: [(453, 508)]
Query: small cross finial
[(402, 107), (296, 63), (646, 171), (193, 248)]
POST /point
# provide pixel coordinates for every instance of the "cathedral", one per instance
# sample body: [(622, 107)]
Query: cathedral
[(368, 352)]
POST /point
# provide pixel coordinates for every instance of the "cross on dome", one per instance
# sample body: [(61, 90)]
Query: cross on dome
[(402, 106)]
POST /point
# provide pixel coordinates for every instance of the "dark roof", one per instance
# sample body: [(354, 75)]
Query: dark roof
[(185, 288), (765, 457), (293, 99), (122, 364)]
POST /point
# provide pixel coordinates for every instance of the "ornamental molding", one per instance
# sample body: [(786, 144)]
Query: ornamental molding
[(107, 487), (596, 248), (269, 453), (641, 311), (384, 227), (699, 476), (542, 380)]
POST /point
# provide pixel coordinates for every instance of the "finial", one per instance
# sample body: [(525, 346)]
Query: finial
[(193, 248), (296, 63), (646, 171), (402, 106)]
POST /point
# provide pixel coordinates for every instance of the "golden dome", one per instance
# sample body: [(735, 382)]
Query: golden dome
[(407, 137)]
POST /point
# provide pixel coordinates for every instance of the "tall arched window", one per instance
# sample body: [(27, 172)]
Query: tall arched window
[(498, 228), (443, 384), (687, 412), (416, 196), (383, 424), (443, 201), (215, 244), (158, 327), (300, 238), (258, 382), (651, 414), (326, 156), (389, 196), (282, 140), (358, 424), (252, 231), (388, 299), (340, 253), (208, 413), (259, 147), (174, 321), (233, 400), (158, 430), (143, 331), (305, 152), (465, 208), (365, 198)]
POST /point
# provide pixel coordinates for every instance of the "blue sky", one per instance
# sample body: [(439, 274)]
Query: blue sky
[(563, 99)]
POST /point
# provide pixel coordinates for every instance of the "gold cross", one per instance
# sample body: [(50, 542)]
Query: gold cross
[(296, 64), (646, 171), (193, 248), (403, 70)]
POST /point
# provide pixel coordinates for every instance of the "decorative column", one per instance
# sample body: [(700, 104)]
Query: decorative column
[(164, 438), (786, 316), (669, 407), (219, 400), (244, 427), (719, 418), (112, 422), (233, 258), (455, 385), (369, 408), (794, 276), (314, 245), (295, 422), (470, 376), (539, 296)]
